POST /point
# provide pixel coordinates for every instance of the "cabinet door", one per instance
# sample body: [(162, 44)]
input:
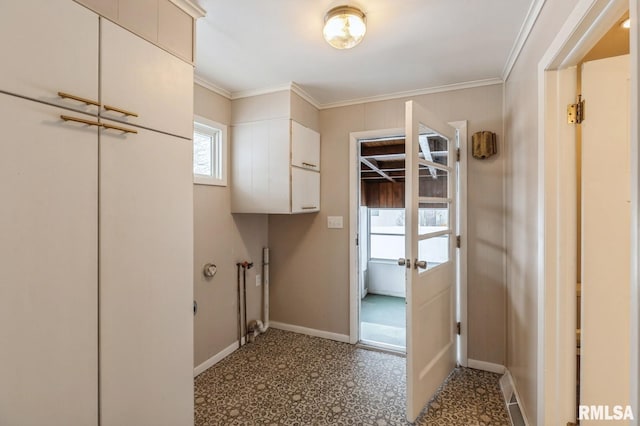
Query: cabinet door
[(140, 78), (48, 278), (49, 46), (305, 191), (305, 147), (250, 168), (146, 279)]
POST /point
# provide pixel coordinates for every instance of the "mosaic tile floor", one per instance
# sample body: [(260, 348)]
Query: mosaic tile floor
[(291, 379)]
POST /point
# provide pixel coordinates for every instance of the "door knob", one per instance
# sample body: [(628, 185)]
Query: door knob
[(404, 262), (422, 264)]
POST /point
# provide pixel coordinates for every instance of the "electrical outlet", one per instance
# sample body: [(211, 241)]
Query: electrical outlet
[(258, 280)]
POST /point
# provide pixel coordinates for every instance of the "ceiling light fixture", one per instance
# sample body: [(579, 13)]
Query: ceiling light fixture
[(626, 23), (344, 27)]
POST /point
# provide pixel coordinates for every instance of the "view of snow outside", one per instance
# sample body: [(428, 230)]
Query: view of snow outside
[(390, 245), (202, 154)]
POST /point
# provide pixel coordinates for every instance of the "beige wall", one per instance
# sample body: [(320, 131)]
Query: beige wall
[(521, 174), (310, 263), (223, 239)]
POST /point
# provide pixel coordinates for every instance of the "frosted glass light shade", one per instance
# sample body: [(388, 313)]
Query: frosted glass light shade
[(344, 27)]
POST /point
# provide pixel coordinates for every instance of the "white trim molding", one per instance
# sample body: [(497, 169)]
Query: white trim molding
[(191, 7), (216, 358), (257, 92), (203, 82), (508, 388), (486, 366), (309, 331), (412, 93), (299, 90), (295, 88), (523, 35)]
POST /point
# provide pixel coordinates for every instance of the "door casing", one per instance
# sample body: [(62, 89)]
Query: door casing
[(354, 185)]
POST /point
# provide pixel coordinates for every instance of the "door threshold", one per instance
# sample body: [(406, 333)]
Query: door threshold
[(382, 347)]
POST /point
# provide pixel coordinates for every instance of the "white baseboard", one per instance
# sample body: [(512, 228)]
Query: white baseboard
[(310, 331), (508, 388), (216, 358), (486, 366)]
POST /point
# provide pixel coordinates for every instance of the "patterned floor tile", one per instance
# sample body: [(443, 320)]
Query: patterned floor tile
[(292, 379)]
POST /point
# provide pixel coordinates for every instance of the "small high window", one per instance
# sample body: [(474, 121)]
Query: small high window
[(209, 152)]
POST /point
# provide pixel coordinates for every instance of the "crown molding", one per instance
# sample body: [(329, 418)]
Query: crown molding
[(191, 7), (257, 92), (304, 95), (294, 87), (411, 93), (523, 35), (201, 81)]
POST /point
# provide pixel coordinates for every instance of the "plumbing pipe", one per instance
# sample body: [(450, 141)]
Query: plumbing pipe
[(239, 307), (245, 265), (244, 295), (265, 289)]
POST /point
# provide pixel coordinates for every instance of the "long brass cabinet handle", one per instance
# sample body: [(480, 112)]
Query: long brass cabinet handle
[(309, 207), (120, 110), (81, 120), (309, 165), (122, 129), (64, 95)]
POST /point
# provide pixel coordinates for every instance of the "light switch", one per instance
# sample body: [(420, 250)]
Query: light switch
[(334, 222), (258, 280)]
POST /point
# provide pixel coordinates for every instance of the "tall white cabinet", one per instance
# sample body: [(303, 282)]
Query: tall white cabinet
[(96, 221)]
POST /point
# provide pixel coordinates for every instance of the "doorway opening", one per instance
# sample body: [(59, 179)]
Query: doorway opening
[(382, 303), (561, 246), (602, 77), (359, 221)]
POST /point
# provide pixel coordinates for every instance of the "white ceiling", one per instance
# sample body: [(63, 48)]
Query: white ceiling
[(410, 45)]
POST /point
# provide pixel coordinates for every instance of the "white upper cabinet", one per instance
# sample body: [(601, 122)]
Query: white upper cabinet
[(305, 191), (275, 167), (143, 85), (305, 147), (50, 47)]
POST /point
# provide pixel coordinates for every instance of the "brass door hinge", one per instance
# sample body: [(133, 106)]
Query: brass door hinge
[(458, 328), (458, 241), (575, 112)]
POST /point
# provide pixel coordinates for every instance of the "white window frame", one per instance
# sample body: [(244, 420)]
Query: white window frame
[(219, 133), (370, 233)]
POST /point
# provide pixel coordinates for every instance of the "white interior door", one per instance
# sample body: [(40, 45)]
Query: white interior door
[(430, 250), (606, 240)]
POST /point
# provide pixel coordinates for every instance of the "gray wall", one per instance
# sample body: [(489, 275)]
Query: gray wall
[(310, 263), (521, 174), (223, 239)]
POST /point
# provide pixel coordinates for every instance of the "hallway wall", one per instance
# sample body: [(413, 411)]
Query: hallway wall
[(310, 263), (521, 135)]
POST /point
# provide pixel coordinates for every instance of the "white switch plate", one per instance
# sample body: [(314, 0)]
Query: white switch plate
[(258, 280), (334, 222)]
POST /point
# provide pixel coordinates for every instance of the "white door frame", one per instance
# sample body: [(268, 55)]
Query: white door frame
[(588, 22), (354, 185)]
